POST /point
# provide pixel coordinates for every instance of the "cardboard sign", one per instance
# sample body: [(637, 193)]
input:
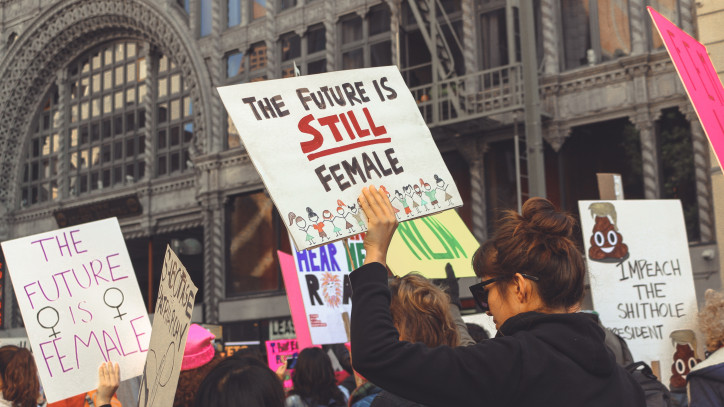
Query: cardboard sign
[(426, 245), (81, 304), (175, 304), (319, 291), (317, 140), (700, 79), (641, 278)]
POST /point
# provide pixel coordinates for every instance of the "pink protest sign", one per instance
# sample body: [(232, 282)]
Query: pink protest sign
[(277, 351), (81, 304), (700, 79), (294, 296)]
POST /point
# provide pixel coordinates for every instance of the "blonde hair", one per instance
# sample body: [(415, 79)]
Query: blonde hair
[(421, 312), (711, 317)]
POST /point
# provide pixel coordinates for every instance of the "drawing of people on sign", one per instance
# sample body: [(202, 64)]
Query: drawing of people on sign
[(342, 212), (607, 244), (302, 225), (318, 226), (357, 215), (685, 358), (441, 185)]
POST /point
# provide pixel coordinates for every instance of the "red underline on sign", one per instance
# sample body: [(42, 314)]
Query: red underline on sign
[(348, 147)]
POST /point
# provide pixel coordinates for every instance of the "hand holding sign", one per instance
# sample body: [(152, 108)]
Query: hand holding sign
[(382, 223), (109, 378)]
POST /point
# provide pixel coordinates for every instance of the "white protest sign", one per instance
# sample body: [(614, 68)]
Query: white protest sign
[(641, 278), (317, 140), (324, 290), (81, 304), (175, 304)]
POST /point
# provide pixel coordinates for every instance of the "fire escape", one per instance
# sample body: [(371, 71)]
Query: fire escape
[(464, 101)]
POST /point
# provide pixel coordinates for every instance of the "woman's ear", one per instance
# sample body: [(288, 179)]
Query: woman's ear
[(521, 288)]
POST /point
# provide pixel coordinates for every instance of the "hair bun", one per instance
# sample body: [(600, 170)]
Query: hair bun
[(541, 216)]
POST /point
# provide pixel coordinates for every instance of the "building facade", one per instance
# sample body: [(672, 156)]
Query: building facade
[(109, 108)]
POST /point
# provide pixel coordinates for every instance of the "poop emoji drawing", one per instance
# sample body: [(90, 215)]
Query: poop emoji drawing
[(685, 357), (606, 242)]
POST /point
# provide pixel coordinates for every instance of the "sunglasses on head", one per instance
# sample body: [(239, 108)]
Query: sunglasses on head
[(480, 294)]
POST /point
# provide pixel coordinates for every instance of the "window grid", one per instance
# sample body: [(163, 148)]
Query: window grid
[(40, 172), (105, 137), (365, 41), (174, 119)]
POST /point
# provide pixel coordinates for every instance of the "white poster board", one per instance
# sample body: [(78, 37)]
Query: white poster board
[(641, 278), (323, 274), (81, 304), (171, 321), (317, 140)]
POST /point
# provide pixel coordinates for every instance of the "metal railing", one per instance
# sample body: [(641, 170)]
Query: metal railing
[(471, 96)]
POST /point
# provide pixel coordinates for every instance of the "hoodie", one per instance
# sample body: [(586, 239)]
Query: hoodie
[(536, 359), (705, 382)]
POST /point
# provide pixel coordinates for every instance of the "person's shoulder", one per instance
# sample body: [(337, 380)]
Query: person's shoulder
[(294, 401)]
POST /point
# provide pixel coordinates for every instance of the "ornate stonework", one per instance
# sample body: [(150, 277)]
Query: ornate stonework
[(62, 33)]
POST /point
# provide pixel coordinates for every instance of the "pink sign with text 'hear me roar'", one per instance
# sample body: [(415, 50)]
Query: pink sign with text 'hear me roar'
[(700, 79)]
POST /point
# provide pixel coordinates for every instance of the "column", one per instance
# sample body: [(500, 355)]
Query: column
[(638, 18), (395, 30), (687, 18), (700, 146), (477, 189), (214, 255), (149, 105), (470, 43), (649, 155), (549, 22), (60, 126), (271, 38), (215, 138), (330, 33)]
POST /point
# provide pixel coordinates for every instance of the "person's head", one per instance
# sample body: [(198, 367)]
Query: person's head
[(314, 379), (711, 320), (199, 358), (19, 375), (421, 312), (240, 381), (532, 261)]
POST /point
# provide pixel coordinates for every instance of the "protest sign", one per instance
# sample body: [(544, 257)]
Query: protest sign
[(317, 140), (699, 76), (319, 291), (277, 352), (426, 245), (641, 278), (80, 301), (176, 294)]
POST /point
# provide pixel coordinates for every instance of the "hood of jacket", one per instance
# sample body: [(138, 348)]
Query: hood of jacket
[(711, 368), (577, 336)]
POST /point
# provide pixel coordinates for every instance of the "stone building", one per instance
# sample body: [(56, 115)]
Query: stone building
[(108, 108)]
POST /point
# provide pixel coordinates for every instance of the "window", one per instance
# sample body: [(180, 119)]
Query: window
[(258, 8), (241, 67), (206, 17), (185, 4), (287, 4), (594, 31), (100, 132), (255, 233), (175, 127), (366, 42), (308, 52), (233, 13)]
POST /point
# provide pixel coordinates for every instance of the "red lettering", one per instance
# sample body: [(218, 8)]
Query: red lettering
[(306, 128)]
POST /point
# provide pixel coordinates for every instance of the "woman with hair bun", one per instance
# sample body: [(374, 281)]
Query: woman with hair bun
[(533, 276), (19, 385)]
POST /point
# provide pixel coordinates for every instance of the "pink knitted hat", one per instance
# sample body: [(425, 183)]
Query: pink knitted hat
[(199, 348)]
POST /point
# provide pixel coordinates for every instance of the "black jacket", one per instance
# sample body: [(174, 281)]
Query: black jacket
[(537, 359), (387, 399)]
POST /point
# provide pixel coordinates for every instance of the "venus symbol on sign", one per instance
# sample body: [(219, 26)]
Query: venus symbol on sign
[(47, 318), (115, 296)]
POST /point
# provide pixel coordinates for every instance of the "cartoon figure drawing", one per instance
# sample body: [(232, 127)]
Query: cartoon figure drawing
[(357, 215), (332, 289), (441, 185), (318, 226), (343, 214), (418, 191), (606, 242), (327, 216), (407, 190), (685, 358), (392, 201), (302, 225), (403, 200), (430, 193)]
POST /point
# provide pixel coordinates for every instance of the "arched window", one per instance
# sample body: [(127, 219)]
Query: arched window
[(97, 138)]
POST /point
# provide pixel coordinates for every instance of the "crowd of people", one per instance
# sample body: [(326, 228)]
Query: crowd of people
[(410, 346)]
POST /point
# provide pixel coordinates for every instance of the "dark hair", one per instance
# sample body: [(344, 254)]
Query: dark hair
[(240, 381), (189, 381), (477, 332), (314, 380), (536, 242), (421, 312), (20, 376)]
